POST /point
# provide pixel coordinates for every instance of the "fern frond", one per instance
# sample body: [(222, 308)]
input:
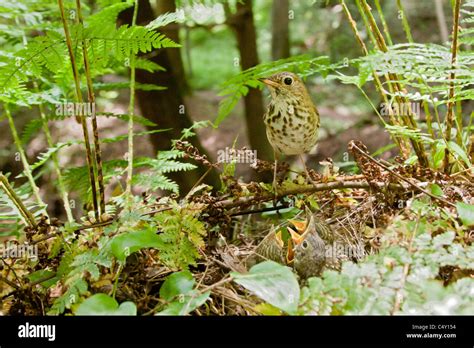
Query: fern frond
[(428, 63), (48, 51), (145, 64), (76, 287), (170, 166), (125, 41), (105, 20), (182, 235), (155, 182), (415, 134), (164, 163), (45, 156), (163, 20), (32, 127)]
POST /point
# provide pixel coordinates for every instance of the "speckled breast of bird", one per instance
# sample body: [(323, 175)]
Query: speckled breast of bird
[(290, 132), (292, 120)]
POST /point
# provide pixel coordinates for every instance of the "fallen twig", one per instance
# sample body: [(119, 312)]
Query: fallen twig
[(352, 145), (333, 185)]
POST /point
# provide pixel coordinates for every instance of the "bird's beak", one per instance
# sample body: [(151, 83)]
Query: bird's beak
[(299, 225), (303, 227), (290, 252), (269, 82), (279, 239), (295, 237)]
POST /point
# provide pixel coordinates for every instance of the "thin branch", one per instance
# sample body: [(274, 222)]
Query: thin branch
[(9, 282), (452, 76), (29, 285), (399, 141), (215, 285), (443, 28), (198, 182), (81, 118), (421, 81), (406, 26), (49, 140), (131, 109), (408, 119), (384, 22), (24, 212), (24, 160), (333, 185), (95, 130), (257, 211), (352, 145)]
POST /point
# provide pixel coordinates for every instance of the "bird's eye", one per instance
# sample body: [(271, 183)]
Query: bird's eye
[(304, 244), (288, 81)]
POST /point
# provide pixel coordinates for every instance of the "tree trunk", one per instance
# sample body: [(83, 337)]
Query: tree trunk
[(166, 107), (172, 31), (244, 27), (280, 29), (443, 27)]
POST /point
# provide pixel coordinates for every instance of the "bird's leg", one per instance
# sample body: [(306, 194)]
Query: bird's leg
[(308, 177), (275, 183)]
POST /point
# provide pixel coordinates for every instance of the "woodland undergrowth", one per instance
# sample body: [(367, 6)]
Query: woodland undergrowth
[(167, 252)]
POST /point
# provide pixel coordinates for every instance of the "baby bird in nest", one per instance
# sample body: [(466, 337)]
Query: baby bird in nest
[(309, 250), (311, 243)]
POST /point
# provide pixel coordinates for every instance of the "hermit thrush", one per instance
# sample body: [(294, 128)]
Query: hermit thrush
[(292, 120)]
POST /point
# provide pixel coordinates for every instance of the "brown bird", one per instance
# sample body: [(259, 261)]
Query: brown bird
[(304, 250), (311, 240), (313, 246), (292, 120), (272, 247)]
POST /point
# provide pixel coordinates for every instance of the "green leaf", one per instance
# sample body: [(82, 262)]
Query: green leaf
[(272, 282), (267, 309), (42, 274), (186, 303), (466, 213), (178, 290), (439, 154), (455, 148), (77, 287), (125, 244), (436, 190), (443, 239), (364, 72), (176, 284), (102, 304)]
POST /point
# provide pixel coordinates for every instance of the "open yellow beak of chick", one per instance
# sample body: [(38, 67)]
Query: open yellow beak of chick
[(296, 238)]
